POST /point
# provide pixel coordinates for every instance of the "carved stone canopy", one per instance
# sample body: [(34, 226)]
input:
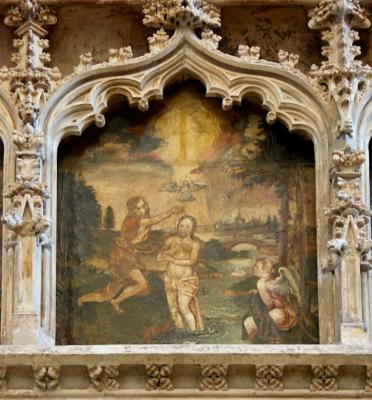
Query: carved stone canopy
[(331, 104)]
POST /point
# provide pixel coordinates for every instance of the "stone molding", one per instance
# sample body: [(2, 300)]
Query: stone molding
[(243, 378), (331, 104)]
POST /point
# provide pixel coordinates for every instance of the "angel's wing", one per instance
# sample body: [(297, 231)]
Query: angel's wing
[(196, 186), (285, 284), (171, 187)]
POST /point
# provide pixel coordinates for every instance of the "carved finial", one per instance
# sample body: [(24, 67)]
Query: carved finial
[(249, 54), (209, 39), (170, 14), (288, 60), (120, 56), (86, 61), (340, 72), (30, 11), (158, 41)]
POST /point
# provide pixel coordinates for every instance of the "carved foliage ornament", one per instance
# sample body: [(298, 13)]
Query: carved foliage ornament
[(159, 377), (104, 377), (30, 10), (269, 377), (349, 216), (46, 378), (214, 377), (30, 82), (346, 78), (171, 14), (325, 377)]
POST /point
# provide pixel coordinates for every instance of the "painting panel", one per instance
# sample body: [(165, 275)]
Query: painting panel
[(186, 224)]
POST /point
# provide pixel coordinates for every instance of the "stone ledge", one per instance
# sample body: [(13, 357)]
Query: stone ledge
[(186, 371)]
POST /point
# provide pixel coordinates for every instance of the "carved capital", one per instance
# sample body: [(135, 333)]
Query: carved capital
[(159, 377), (269, 377), (325, 377), (214, 377), (104, 377)]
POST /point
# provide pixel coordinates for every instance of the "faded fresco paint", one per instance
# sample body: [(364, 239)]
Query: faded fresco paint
[(186, 224)]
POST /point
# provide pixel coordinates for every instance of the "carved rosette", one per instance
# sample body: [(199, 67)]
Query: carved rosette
[(325, 377), (159, 377), (345, 77), (269, 377), (104, 378), (214, 377), (46, 378)]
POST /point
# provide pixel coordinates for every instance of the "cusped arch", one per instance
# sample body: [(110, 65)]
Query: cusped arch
[(84, 99), (8, 118), (364, 119), (364, 135), (286, 96)]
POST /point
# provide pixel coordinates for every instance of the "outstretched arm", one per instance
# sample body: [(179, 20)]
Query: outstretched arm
[(156, 219), (165, 249)]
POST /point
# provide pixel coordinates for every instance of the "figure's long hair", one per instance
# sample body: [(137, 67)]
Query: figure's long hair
[(132, 205), (192, 219)]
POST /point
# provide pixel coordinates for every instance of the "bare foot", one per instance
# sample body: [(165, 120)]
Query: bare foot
[(116, 307)]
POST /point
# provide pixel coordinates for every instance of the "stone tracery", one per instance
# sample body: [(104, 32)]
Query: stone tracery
[(50, 108)]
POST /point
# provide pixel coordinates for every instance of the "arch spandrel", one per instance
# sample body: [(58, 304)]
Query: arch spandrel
[(284, 93)]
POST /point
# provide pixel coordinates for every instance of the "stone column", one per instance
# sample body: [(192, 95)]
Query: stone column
[(349, 246), (27, 226)]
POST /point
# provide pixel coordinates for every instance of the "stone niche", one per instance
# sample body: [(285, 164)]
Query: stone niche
[(186, 199)]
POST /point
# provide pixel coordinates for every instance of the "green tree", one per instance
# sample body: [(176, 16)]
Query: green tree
[(109, 218), (78, 215), (269, 156)]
